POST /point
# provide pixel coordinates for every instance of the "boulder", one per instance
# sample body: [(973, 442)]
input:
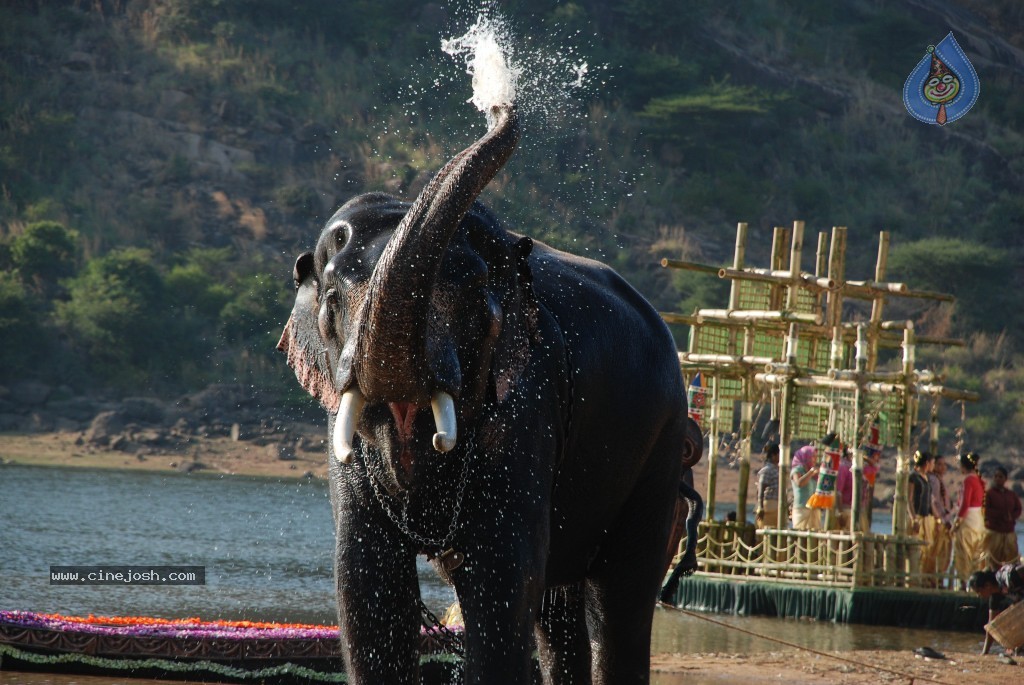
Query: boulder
[(220, 401), (79, 409), (142, 410), (11, 422), (281, 451), (29, 393), (104, 428)]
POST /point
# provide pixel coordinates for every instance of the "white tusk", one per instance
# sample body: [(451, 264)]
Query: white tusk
[(345, 425), (443, 407)]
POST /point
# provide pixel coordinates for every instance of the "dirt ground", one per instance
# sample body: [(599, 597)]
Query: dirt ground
[(799, 667), (210, 455)]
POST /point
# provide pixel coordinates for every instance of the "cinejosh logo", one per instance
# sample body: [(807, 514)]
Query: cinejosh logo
[(127, 575)]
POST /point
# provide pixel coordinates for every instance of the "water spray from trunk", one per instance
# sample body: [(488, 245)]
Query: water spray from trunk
[(485, 50)]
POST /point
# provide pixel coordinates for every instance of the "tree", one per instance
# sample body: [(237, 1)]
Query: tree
[(44, 253), (115, 315), (20, 329), (981, 278)]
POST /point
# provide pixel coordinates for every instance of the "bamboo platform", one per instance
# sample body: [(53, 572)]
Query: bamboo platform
[(786, 342)]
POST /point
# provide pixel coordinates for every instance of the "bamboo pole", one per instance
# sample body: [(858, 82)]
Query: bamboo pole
[(856, 504), (821, 260), (878, 303), (775, 277), (670, 317), (708, 358), (739, 255), (891, 376), (709, 509), (868, 290), (899, 506), (948, 393), (821, 269), (760, 314), (837, 274), (689, 266), (795, 252), (746, 407), (785, 452), (746, 429), (826, 382), (780, 236)]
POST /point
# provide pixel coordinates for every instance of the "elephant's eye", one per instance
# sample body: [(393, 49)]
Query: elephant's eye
[(342, 234)]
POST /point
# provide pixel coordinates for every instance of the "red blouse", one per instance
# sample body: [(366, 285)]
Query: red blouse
[(973, 494)]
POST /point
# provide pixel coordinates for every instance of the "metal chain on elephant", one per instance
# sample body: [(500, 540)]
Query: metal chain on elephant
[(448, 638), (403, 522)]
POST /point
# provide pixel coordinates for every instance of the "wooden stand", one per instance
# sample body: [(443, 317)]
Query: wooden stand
[(783, 336)]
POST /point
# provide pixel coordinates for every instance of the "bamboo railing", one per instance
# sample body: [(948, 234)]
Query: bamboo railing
[(826, 558)]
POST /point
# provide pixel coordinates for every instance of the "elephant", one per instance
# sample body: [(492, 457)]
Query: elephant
[(513, 412)]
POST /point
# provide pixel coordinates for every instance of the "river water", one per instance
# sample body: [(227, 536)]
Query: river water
[(266, 546)]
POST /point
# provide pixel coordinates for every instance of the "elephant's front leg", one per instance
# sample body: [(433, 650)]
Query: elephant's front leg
[(377, 590), (500, 585), (500, 593)]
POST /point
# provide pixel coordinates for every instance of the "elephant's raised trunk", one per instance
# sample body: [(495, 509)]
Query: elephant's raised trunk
[(387, 358)]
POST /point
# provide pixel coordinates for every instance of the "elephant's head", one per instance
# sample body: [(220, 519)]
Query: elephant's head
[(408, 318)]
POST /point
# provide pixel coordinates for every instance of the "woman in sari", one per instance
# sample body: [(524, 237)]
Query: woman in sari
[(969, 526), (804, 476)]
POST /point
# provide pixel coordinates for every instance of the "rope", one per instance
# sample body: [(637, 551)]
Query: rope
[(911, 678)]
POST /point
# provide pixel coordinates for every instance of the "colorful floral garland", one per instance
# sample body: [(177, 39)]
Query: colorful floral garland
[(148, 626)]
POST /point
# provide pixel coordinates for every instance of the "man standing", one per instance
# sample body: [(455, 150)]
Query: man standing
[(767, 513), (1002, 509), (919, 498)]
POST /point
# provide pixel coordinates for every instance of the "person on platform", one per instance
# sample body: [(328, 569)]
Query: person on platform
[(969, 524), (844, 491), (872, 463), (1002, 509), (804, 476), (942, 512), (1001, 588), (919, 497), (766, 515)]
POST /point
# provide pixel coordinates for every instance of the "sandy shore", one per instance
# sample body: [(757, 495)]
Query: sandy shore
[(213, 455), (867, 667), (224, 455)]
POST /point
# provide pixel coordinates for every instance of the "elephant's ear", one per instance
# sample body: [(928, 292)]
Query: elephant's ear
[(301, 341), (519, 326), (693, 444)]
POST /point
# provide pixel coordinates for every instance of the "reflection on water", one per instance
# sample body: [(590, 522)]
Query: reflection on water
[(267, 548)]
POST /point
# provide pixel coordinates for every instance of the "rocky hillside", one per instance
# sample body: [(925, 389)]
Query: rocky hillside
[(215, 138)]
